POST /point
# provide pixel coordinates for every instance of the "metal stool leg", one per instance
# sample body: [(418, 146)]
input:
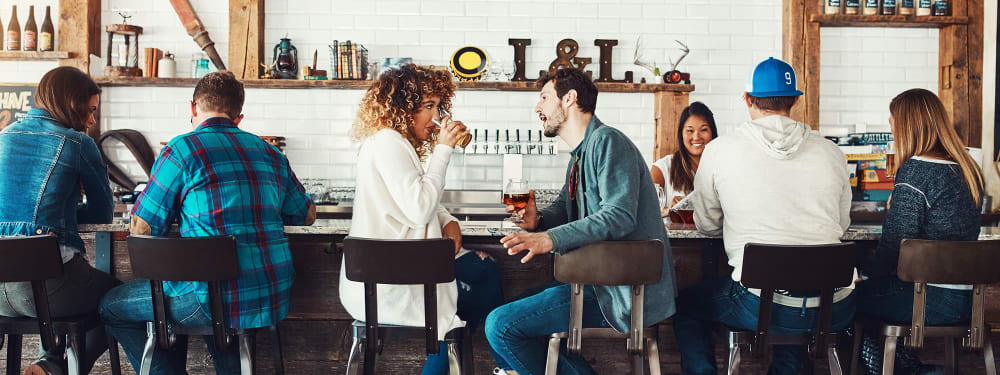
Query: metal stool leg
[(889, 354), (454, 358), (76, 353), (859, 334), (113, 357), (147, 351), (834, 358), (246, 358), (653, 355), (355, 356), (734, 354), (991, 364), (637, 364), (13, 354), (279, 359), (552, 357)]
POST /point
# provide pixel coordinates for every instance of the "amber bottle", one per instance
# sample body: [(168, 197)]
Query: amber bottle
[(29, 36)]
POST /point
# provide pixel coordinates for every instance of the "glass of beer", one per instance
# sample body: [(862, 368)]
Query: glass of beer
[(516, 193), (461, 142), (890, 159)]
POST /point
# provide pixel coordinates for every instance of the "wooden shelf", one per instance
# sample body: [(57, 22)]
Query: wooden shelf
[(858, 20), (362, 85), (32, 55)]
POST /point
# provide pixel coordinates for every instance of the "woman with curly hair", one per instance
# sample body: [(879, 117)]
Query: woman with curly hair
[(396, 198)]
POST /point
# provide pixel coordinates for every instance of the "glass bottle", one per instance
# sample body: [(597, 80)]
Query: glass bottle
[(30, 33), (13, 31), (47, 36)]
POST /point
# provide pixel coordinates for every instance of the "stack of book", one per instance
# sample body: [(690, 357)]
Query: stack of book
[(348, 60)]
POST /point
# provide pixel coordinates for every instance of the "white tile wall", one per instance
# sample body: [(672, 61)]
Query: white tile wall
[(726, 38)]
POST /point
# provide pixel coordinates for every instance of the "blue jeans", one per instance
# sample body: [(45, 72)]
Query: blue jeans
[(513, 330), (125, 311), (479, 293), (725, 301), (891, 299)]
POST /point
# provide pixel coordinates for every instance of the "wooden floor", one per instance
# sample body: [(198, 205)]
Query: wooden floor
[(316, 337)]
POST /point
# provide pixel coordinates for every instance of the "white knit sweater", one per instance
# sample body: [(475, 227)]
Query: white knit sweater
[(396, 199)]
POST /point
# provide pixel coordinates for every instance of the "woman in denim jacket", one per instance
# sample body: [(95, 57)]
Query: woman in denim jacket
[(48, 163)]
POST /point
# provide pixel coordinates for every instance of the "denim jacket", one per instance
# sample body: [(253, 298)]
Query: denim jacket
[(619, 202), (44, 166)]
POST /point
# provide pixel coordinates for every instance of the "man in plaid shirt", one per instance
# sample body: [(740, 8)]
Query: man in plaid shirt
[(215, 180)]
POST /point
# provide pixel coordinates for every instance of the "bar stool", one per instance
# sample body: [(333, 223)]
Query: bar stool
[(939, 262), (815, 270), (403, 262), (159, 259), (37, 259), (631, 263)]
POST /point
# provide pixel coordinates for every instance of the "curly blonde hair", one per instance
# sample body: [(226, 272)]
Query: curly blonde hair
[(393, 99)]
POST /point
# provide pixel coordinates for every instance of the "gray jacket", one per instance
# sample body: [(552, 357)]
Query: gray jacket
[(619, 203)]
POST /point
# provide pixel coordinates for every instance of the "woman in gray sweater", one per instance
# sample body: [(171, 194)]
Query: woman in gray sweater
[(936, 196)]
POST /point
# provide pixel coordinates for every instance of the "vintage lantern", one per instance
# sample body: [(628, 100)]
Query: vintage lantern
[(128, 51)]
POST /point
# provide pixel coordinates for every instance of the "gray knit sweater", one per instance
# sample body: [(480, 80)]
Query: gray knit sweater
[(929, 201)]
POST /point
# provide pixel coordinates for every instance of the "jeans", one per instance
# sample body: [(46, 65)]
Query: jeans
[(77, 292), (479, 293), (513, 330), (891, 299), (125, 311), (725, 301)]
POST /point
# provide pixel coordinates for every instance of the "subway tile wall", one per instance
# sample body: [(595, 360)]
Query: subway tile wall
[(863, 68)]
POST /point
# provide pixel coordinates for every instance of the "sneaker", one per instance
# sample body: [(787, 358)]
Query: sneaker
[(43, 367), (499, 371)]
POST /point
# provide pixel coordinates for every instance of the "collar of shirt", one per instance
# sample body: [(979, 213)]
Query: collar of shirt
[(216, 121)]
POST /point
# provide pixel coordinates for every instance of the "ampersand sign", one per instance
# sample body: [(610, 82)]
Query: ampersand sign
[(566, 51)]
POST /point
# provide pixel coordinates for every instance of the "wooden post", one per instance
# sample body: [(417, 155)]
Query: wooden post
[(667, 107), (793, 43), (246, 38), (79, 32), (977, 13), (953, 76)]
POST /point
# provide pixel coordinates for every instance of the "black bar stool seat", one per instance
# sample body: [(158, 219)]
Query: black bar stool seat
[(403, 262), (813, 270), (161, 258), (632, 263), (37, 259), (939, 262)]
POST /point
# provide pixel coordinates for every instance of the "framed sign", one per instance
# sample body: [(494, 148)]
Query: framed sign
[(16, 99)]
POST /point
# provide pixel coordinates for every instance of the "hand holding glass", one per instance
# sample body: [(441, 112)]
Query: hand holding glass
[(444, 114), (516, 193)]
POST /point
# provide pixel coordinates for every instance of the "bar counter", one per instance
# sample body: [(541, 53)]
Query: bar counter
[(316, 335)]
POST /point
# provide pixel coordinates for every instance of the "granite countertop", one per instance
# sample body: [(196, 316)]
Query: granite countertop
[(499, 229)]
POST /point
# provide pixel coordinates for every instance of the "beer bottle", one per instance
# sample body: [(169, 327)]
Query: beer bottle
[(47, 36), (30, 34), (13, 32)]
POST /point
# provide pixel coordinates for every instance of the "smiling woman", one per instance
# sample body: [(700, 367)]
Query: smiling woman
[(674, 173)]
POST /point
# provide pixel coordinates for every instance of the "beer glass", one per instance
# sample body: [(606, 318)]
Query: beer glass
[(516, 193)]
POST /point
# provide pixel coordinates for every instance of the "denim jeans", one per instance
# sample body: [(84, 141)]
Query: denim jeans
[(725, 301), (891, 299), (76, 293), (479, 293), (125, 311), (513, 330)]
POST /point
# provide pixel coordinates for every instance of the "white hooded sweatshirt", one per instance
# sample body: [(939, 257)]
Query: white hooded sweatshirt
[(775, 181)]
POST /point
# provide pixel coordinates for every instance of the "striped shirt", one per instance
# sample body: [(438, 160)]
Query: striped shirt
[(220, 180)]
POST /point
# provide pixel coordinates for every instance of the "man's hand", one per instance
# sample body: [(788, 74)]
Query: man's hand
[(453, 231), (528, 214), (534, 243)]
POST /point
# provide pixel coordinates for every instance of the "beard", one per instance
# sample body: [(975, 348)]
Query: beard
[(554, 123)]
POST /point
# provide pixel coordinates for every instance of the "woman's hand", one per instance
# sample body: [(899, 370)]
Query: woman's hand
[(451, 132), (453, 231)]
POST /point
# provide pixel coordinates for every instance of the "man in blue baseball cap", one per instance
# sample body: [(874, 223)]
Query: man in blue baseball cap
[(776, 181)]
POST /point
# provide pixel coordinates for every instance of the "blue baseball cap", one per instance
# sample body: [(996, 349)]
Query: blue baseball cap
[(772, 77)]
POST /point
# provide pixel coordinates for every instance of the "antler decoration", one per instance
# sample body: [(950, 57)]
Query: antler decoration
[(637, 57), (684, 47)]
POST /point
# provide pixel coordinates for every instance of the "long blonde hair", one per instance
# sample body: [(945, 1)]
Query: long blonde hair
[(395, 96), (921, 127)]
